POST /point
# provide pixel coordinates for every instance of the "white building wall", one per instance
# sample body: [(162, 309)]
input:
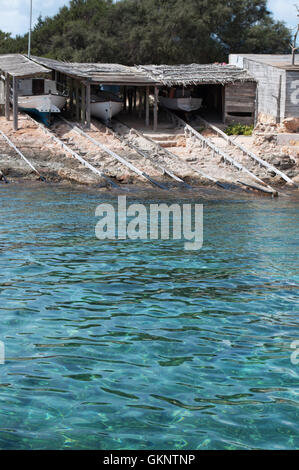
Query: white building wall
[(292, 94)]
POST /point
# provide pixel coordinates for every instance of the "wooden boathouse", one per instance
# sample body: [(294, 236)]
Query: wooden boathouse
[(14, 67), (228, 92), (78, 78), (278, 84)]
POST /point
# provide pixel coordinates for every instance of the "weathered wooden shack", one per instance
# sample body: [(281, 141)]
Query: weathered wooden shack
[(228, 92), (79, 77), (14, 67), (278, 84)]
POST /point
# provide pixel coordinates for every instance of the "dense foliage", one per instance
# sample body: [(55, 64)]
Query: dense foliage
[(154, 31)]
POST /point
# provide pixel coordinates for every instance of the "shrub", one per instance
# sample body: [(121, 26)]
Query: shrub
[(239, 129)]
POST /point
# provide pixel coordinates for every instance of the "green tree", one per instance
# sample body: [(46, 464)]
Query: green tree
[(154, 31)]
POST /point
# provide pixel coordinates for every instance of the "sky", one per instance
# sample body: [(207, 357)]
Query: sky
[(14, 14)]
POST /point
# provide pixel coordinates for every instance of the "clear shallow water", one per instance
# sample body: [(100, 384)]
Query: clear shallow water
[(142, 345)]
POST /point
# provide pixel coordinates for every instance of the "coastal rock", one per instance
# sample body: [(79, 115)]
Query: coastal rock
[(269, 137), (283, 161), (181, 141), (191, 159), (287, 164), (291, 124), (265, 140), (75, 176), (292, 173), (125, 179)]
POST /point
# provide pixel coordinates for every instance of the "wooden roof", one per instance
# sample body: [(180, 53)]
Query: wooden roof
[(99, 73), (18, 65), (196, 74)]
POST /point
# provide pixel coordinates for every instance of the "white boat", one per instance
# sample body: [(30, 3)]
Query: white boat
[(40, 96), (42, 103), (105, 105), (186, 104)]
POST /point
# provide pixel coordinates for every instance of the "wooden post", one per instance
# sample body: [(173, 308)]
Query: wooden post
[(83, 103), (256, 106), (156, 109), (223, 103), (135, 98), (77, 102), (15, 104), (88, 105), (125, 98), (7, 107), (140, 103), (71, 97), (144, 100), (130, 98), (147, 107)]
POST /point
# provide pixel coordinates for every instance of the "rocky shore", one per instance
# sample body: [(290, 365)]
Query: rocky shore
[(279, 145), (57, 165)]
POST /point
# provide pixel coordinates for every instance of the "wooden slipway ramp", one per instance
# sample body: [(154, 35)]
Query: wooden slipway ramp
[(72, 149), (122, 160), (253, 161), (154, 156), (161, 155), (217, 162), (205, 159), (8, 142)]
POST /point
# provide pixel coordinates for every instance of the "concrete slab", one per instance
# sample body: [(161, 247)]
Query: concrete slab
[(287, 139)]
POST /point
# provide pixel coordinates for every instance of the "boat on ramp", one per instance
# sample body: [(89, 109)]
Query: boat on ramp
[(40, 96)]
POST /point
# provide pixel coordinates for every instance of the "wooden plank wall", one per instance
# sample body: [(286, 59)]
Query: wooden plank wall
[(2, 97), (271, 96), (292, 94), (239, 103)]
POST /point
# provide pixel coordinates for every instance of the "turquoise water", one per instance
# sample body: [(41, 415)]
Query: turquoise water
[(142, 345)]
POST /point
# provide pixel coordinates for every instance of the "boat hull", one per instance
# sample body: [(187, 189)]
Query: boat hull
[(181, 104), (42, 105), (105, 110)]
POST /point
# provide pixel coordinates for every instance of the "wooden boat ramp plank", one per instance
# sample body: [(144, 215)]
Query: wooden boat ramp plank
[(146, 155), (110, 152), (216, 150), (18, 151), (176, 157), (74, 154), (252, 155)]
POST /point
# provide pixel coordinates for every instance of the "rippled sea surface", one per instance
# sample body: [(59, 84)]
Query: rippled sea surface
[(140, 344)]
